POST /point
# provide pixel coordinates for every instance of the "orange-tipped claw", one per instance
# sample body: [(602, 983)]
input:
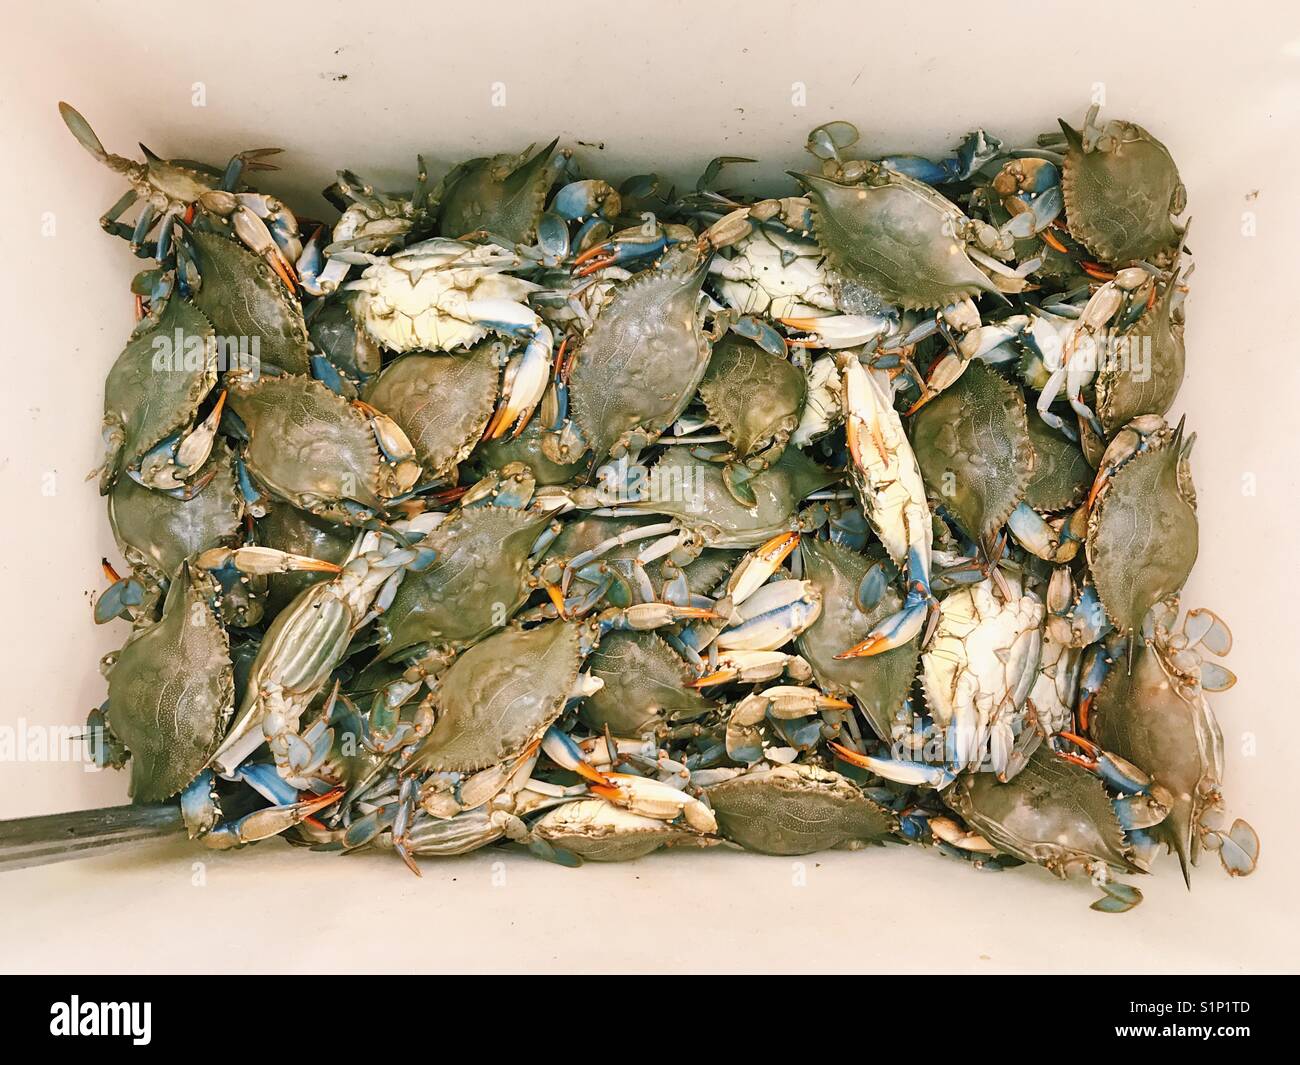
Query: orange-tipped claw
[(830, 702), (109, 571), (1085, 709), (496, 426), (718, 676), (872, 645), (849, 755), (926, 396), (1097, 271), (778, 549), (593, 776), (284, 271), (1052, 242), (557, 598)]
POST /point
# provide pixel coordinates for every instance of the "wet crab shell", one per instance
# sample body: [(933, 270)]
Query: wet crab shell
[(972, 444), (308, 445), (286, 528), (157, 531), (1140, 714), (644, 356), (644, 685), (503, 194), (499, 696), (1143, 535), (248, 304), (1119, 200), (1124, 391), (1060, 475), (475, 584), (598, 831), (441, 402), (880, 683), (171, 691), (796, 809), (147, 400), (1054, 813), (692, 490), (528, 448), (754, 398), (896, 237)]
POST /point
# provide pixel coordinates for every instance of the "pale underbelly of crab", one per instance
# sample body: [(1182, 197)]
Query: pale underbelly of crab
[(974, 673), (437, 312)]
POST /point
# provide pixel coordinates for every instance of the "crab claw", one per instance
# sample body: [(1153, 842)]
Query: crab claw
[(758, 566), (263, 560), (271, 821), (251, 231), (839, 330), (895, 631), (617, 251), (914, 774), (564, 752)]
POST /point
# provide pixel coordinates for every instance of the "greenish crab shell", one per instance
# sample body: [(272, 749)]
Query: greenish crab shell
[(248, 304), (796, 809), (148, 398), (1052, 812), (478, 580), (308, 445), (157, 532), (1061, 475), (1149, 384), (1143, 535), (527, 448), (645, 354), (442, 402), (502, 194), (598, 831), (171, 690), (880, 683), (499, 696), (644, 685), (692, 490), (754, 398), (1139, 714), (286, 528), (1119, 200), (895, 236), (972, 444)]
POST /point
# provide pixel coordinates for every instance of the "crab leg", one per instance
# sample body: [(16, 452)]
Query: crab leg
[(888, 481)]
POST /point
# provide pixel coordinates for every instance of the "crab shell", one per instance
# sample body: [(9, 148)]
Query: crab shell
[(1054, 813), (644, 685), (307, 445), (1143, 535), (1060, 475), (896, 237), (796, 809), (1126, 391), (754, 398), (599, 831), (500, 696), (503, 194), (147, 398), (643, 358), (1119, 199), (171, 690), (1143, 714), (527, 447), (157, 532), (972, 444), (692, 490), (880, 683), (441, 402), (286, 528), (476, 583), (247, 302)]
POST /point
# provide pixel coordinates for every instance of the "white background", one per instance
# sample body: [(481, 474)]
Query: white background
[(664, 86)]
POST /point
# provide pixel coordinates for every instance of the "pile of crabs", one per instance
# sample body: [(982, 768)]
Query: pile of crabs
[(526, 507)]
